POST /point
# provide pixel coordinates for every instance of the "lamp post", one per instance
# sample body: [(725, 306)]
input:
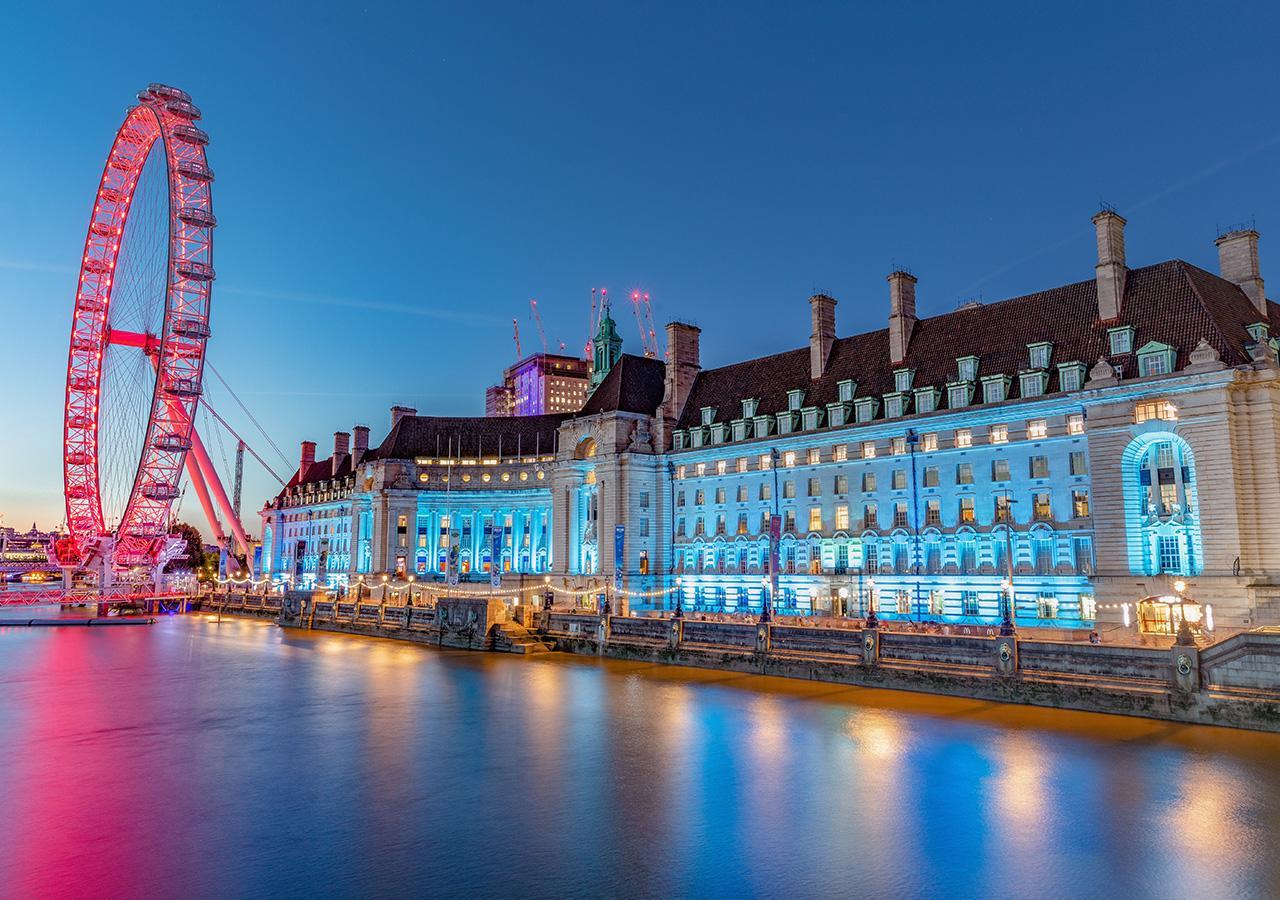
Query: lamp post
[(679, 613), (873, 621), (775, 531), (843, 594), (1006, 619), (913, 440)]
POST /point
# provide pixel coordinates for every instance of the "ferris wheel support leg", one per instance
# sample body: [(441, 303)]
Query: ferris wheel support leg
[(206, 504), (219, 493)]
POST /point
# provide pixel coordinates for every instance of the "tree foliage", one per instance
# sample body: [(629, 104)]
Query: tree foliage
[(194, 553)]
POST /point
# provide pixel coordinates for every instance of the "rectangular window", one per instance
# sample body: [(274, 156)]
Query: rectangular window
[(964, 473), (868, 482), (700, 497), (721, 466), (742, 493), (702, 469), (1080, 504), (929, 442), (966, 511), (1037, 429), (1047, 605), (898, 447), (933, 511), (1170, 554), (1075, 423), (925, 401), (794, 399), (868, 449), (644, 531), (902, 380), (766, 491), (1078, 464), (967, 368), (846, 391), (680, 532), (870, 517), (993, 391), (1155, 409), (720, 523), (842, 517), (788, 490), (789, 520), (719, 495), (840, 452), (766, 461), (815, 487), (644, 499), (742, 523), (999, 434), (842, 484), (680, 471), (899, 480), (1083, 547), (1069, 378), (1039, 356), (999, 470), (789, 459), (900, 514), (964, 438), (815, 518), (930, 476), (742, 464), (968, 603), (1039, 467), (1121, 340), (815, 456), (1041, 507), (1004, 508)]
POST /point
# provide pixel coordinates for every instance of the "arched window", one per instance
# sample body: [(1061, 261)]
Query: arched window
[(1162, 511)]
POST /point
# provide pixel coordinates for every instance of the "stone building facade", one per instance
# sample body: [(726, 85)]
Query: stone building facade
[(1077, 449)]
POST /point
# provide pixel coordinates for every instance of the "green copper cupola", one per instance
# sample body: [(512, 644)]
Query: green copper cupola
[(607, 348)]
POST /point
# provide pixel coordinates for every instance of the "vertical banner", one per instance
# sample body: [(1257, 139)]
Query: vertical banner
[(257, 561), (495, 558), (619, 554), (322, 563)]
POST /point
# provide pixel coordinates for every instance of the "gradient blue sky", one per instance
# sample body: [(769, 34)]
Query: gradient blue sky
[(394, 184)]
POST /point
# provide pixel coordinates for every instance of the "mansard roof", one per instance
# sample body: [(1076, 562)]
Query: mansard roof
[(634, 385), (1172, 302), (471, 436)]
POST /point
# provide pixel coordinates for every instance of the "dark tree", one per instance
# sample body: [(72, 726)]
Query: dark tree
[(193, 557)]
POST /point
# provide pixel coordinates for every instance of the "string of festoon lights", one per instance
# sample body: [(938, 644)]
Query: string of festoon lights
[(433, 589)]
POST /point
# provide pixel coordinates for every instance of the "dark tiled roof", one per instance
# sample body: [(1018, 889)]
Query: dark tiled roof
[(634, 385), (1173, 302), (469, 436)]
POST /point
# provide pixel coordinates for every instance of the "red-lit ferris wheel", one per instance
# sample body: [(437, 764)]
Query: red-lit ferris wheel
[(139, 334)]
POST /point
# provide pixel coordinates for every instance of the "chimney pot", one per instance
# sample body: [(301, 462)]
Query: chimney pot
[(1238, 263), (361, 444), (683, 365), (1110, 272), (341, 447), (902, 314), (822, 312), (308, 457), (399, 412)]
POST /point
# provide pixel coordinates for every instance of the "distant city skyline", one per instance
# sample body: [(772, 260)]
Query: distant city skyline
[(392, 188)]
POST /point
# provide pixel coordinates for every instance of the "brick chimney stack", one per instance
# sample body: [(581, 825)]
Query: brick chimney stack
[(902, 314), (341, 447), (1238, 263), (361, 446), (822, 311), (307, 459), (1110, 271), (399, 412), (683, 365)]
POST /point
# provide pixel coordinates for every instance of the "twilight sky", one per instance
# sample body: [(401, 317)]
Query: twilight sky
[(394, 184)]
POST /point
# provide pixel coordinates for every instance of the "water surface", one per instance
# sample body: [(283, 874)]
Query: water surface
[(196, 759)]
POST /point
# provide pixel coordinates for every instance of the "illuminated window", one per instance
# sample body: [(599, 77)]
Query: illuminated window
[(1036, 429), (1004, 508), (789, 459), (815, 518), (766, 461), (999, 434), (700, 497), (966, 511), (680, 471), (898, 446), (815, 456), (929, 442), (1075, 423), (721, 467), (868, 449), (964, 437), (842, 517), (1155, 409), (1041, 507), (702, 469), (1080, 504), (742, 464)]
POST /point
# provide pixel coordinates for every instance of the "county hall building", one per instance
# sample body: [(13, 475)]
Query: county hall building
[(1081, 449)]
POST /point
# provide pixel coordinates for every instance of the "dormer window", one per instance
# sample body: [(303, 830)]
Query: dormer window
[(1121, 339), (785, 423), (967, 368), (836, 414), (810, 419), (1260, 332), (719, 433), (1032, 384), (1038, 354), (794, 399), (994, 388), (902, 379), (1155, 358), (740, 430), (749, 407), (894, 405), (1070, 376), (926, 399), (762, 426), (864, 410), (960, 395), (708, 415), (696, 436), (846, 389), (679, 439)]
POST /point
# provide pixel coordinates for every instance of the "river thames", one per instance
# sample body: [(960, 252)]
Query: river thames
[(235, 759)]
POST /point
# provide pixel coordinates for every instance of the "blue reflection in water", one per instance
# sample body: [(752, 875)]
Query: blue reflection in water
[(237, 759)]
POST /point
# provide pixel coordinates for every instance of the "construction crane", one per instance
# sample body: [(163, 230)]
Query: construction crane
[(635, 308), (644, 321), (239, 480), (537, 320), (515, 326), (652, 350)]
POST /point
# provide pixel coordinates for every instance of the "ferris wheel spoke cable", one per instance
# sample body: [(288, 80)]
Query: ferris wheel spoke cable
[(247, 446), (236, 397)]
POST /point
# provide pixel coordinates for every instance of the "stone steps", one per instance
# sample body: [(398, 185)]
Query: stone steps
[(512, 638)]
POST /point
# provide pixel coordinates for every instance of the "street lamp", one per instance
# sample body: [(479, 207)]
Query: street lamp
[(1006, 620), (843, 594), (679, 612), (872, 620), (1185, 637)]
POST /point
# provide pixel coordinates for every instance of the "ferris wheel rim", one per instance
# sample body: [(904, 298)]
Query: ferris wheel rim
[(162, 122)]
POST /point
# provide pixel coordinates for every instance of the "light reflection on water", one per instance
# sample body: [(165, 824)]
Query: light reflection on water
[(201, 759)]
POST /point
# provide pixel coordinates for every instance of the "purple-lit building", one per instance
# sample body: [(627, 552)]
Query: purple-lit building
[(540, 384)]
